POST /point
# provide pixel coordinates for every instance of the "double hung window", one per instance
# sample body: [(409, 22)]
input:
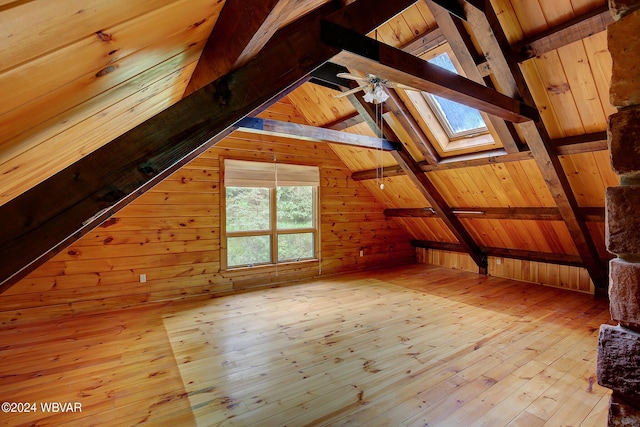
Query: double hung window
[(270, 213)]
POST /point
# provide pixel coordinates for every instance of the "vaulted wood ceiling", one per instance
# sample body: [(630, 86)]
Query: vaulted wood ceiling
[(78, 76)]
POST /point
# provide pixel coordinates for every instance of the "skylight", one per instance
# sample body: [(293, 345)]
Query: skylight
[(458, 120)]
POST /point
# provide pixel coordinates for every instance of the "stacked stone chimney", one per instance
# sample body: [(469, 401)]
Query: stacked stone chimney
[(619, 346)]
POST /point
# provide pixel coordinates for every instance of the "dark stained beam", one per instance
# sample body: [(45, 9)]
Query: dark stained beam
[(587, 143), (410, 213), (363, 53), (486, 27), (311, 133), (545, 257), (462, 46), (523, 213), (328, 73), (42, 221), (389, 171), (242, 28), (571, 31), (456, 162), (592, 214)]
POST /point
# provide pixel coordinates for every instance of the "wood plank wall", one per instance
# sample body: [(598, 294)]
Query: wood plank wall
[(172, 234), (557, 276)]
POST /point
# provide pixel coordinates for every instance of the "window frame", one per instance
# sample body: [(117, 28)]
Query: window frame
[(273, 232), (432, 125)]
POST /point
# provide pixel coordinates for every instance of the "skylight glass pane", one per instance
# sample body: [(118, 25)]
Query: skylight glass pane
[(459, 118)]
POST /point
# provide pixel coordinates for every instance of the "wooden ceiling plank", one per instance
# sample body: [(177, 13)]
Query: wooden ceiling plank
[(568, 32), (50, 216), (486, 27), (312, 133), (462, 46), (363, 53), (429, 191)]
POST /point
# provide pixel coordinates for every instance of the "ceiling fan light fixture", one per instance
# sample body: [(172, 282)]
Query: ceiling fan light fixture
[(375, 94)]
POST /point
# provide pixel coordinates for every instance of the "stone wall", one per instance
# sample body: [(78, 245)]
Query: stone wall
[(619, 346)]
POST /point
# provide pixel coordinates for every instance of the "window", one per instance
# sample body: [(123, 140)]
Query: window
[(457, 120), (270, 213)]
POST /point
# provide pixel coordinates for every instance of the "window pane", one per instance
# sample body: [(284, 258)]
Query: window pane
[(460, 118), (248, 250), (295, 246), (295, 207), (247, 209)]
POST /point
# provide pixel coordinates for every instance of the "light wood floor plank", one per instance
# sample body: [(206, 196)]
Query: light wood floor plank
[(411, 346)]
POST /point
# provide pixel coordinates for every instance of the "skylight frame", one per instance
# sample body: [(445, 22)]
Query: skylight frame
[(441, 116)]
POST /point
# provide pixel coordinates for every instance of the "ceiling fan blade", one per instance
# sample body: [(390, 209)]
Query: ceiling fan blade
[(351, 76), (349, 92), (400, 86)]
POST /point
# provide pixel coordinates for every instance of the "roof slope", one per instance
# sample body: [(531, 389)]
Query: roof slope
[(75, 78)]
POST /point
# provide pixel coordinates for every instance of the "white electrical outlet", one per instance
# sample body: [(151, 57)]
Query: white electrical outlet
[(143, 278), (361, 252), (498, 261)]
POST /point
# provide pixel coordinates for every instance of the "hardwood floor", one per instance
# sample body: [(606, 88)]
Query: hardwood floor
[(413, 346)]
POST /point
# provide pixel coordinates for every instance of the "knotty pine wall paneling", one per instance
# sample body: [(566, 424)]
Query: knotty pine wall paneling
[(171, 234), (558, 276)]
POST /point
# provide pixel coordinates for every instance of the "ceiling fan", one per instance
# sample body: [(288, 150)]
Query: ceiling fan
[(373, 87)]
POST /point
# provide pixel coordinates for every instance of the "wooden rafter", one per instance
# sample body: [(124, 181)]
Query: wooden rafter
[(50, 216), (486, 27), (243, 27), (363, 53), (312, 133), (462, 46), (571, 31)]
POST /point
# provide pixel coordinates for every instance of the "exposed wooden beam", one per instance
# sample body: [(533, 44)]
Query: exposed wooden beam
[(593, 214), (389, 171), (457, 162), (596, 141), (545, 257), (363, 53), (571, 31), (311, 133), (243, 27), (42, 221), (462, 46), (486, 27), (453, 8), (328, 72), (563, 146), (345, 122), (424, 43)]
